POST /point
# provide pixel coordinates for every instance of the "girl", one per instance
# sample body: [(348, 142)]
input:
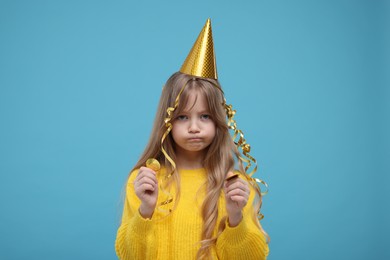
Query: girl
[(194, 207)]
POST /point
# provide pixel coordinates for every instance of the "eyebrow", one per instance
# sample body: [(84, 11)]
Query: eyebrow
[(204, 112), (200, 112)]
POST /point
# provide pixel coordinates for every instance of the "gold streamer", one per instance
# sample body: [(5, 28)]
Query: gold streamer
[(241, 143), (245, 147), (169, 126)]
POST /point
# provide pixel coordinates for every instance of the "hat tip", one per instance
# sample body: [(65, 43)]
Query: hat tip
[(200, 61)]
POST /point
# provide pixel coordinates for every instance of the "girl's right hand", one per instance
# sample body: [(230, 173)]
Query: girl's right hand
[(146, 189)]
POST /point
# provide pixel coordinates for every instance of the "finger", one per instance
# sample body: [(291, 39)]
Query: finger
[(143, 174), (239, 184), (237, 192), (146, 180), (146, 187), (239, 200), (144, 170), (146, 176)]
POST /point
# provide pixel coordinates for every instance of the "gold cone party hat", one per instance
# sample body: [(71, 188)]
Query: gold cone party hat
[(200, 61)]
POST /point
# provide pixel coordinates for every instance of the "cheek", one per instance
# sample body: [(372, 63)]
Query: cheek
[(174, 132), (213, 130), (177, 131)]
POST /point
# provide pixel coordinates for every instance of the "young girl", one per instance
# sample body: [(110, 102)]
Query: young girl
[(194, 207)]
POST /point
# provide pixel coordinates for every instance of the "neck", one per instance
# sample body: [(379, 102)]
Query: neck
[(189, 160)]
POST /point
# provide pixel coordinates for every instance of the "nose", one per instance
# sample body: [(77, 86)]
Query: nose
[(194, 126)]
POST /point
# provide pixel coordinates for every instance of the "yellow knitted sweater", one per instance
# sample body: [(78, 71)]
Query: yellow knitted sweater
[(177, 236)]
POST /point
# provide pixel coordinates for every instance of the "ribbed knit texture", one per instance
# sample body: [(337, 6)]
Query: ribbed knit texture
[(177, 236)]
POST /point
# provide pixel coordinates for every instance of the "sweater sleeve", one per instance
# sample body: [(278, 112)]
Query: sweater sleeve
[(244, 241), (135, 237)]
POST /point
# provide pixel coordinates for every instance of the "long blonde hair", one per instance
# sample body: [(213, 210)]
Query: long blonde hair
[(220, 156)]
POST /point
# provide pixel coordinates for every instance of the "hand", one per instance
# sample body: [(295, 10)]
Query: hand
[(146, 189), (236, 196)]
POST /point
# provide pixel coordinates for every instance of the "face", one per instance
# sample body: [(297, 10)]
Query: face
[(193, 129)]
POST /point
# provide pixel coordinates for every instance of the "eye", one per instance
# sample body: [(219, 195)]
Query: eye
[(205, 117), (181, 117)]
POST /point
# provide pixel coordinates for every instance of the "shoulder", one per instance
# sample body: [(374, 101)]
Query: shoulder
[(133, 174)]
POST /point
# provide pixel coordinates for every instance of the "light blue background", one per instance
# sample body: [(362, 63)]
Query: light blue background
[(79, 85)]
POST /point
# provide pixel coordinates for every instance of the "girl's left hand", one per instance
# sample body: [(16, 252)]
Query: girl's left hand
[(236, 196)]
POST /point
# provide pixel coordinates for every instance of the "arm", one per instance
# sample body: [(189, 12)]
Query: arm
[(241, 238), (245, 241), (135, 237)]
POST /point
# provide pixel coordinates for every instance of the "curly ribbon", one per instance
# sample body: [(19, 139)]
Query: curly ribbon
[(245, 147), (241, 143), (169, 126)]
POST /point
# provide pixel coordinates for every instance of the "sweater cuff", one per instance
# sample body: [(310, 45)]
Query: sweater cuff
[(235, 235), (141, 226)]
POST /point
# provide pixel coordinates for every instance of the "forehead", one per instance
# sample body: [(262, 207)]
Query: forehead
[(194, 99)]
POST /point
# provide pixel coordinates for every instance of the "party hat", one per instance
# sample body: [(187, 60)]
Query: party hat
[(200, 61)]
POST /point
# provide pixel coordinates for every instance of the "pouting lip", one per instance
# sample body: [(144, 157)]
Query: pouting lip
[(195, 139)]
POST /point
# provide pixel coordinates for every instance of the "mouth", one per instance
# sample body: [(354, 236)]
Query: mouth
[(194, 140)]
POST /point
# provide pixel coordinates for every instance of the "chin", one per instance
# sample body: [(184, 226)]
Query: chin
[(195, 149)]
